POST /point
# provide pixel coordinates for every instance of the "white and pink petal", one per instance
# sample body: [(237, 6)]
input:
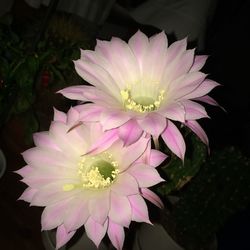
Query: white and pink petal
[(174, 140)]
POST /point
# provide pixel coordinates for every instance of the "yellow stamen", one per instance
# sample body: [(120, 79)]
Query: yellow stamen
[(142, 104), (95, 172), (68, 187)]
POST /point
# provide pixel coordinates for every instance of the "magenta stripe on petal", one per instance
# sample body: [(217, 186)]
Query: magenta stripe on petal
[(175, 49), (77, 214), (116, 235), (132, 152), (53, 215), (113, 118), (174, 140), (146, 176), (130, 132), (199, 62), (74, 92), (139, 209), (209, 100), (152, 197), (194, 110), (125, 185), (197, 129), (153, 124), (139, 44), (42, 139), (156, 158), (95, 231), (104, 142), (174, 111), (204, 88), (120, 209), (62, 236), (102, 199)]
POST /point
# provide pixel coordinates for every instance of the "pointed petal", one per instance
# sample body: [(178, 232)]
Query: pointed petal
[(139, 209), (116, 235), (97, 76), (28, 194), (194, 110), (75, 92), (25, 171), (153, 124), (122, 59), (95, 231), (54, 214), (203, 89), (89, 112), (72, 116), (71, 146), (62, 236), (97, 57), (102, 201), (104, 142), (209, 100), (174, 140), (125, 60), (38, 158), (175, 49), (52, 193), (130, 132), (131, 153), (139, 45), (145, 175), (198, 130), (152, 197), (185, 85), (179, 66), (42, 139), (77, 214), (155, 60), (174, 111), (113, 119), (199, 62), (59, 116), (156, 158), (125, 185), (120, 209)]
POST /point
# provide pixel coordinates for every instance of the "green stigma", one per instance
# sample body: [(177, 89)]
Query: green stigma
[(106, 169)]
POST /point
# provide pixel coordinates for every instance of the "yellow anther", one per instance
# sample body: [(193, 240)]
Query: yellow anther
[(68, 187), (125, 94)]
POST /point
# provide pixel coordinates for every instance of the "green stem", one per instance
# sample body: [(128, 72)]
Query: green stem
[(156, 143)]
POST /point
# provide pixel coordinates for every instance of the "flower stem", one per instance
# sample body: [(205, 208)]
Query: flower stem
[(156, 143)]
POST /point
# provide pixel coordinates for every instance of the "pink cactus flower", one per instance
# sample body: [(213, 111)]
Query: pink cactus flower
[(142, 86), (86, 177)]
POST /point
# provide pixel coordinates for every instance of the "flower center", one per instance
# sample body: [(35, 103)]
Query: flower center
[(141, 102), (95, 172)]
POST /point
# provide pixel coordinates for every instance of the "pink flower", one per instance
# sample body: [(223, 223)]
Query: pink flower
[(83, 176), (143, 86)]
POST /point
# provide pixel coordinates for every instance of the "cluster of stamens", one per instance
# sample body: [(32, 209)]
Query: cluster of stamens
[(142, 104), (95, 172)]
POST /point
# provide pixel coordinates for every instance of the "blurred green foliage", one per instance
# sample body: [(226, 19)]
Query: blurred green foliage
[(23, 65)]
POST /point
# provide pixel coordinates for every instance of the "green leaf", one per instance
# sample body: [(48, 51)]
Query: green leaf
[(178, 174)]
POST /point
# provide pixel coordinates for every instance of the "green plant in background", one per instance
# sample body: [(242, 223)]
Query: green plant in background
[(25, 71), (220, 189)]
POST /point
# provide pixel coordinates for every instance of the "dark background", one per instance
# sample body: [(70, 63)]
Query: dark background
[(228, 44)]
